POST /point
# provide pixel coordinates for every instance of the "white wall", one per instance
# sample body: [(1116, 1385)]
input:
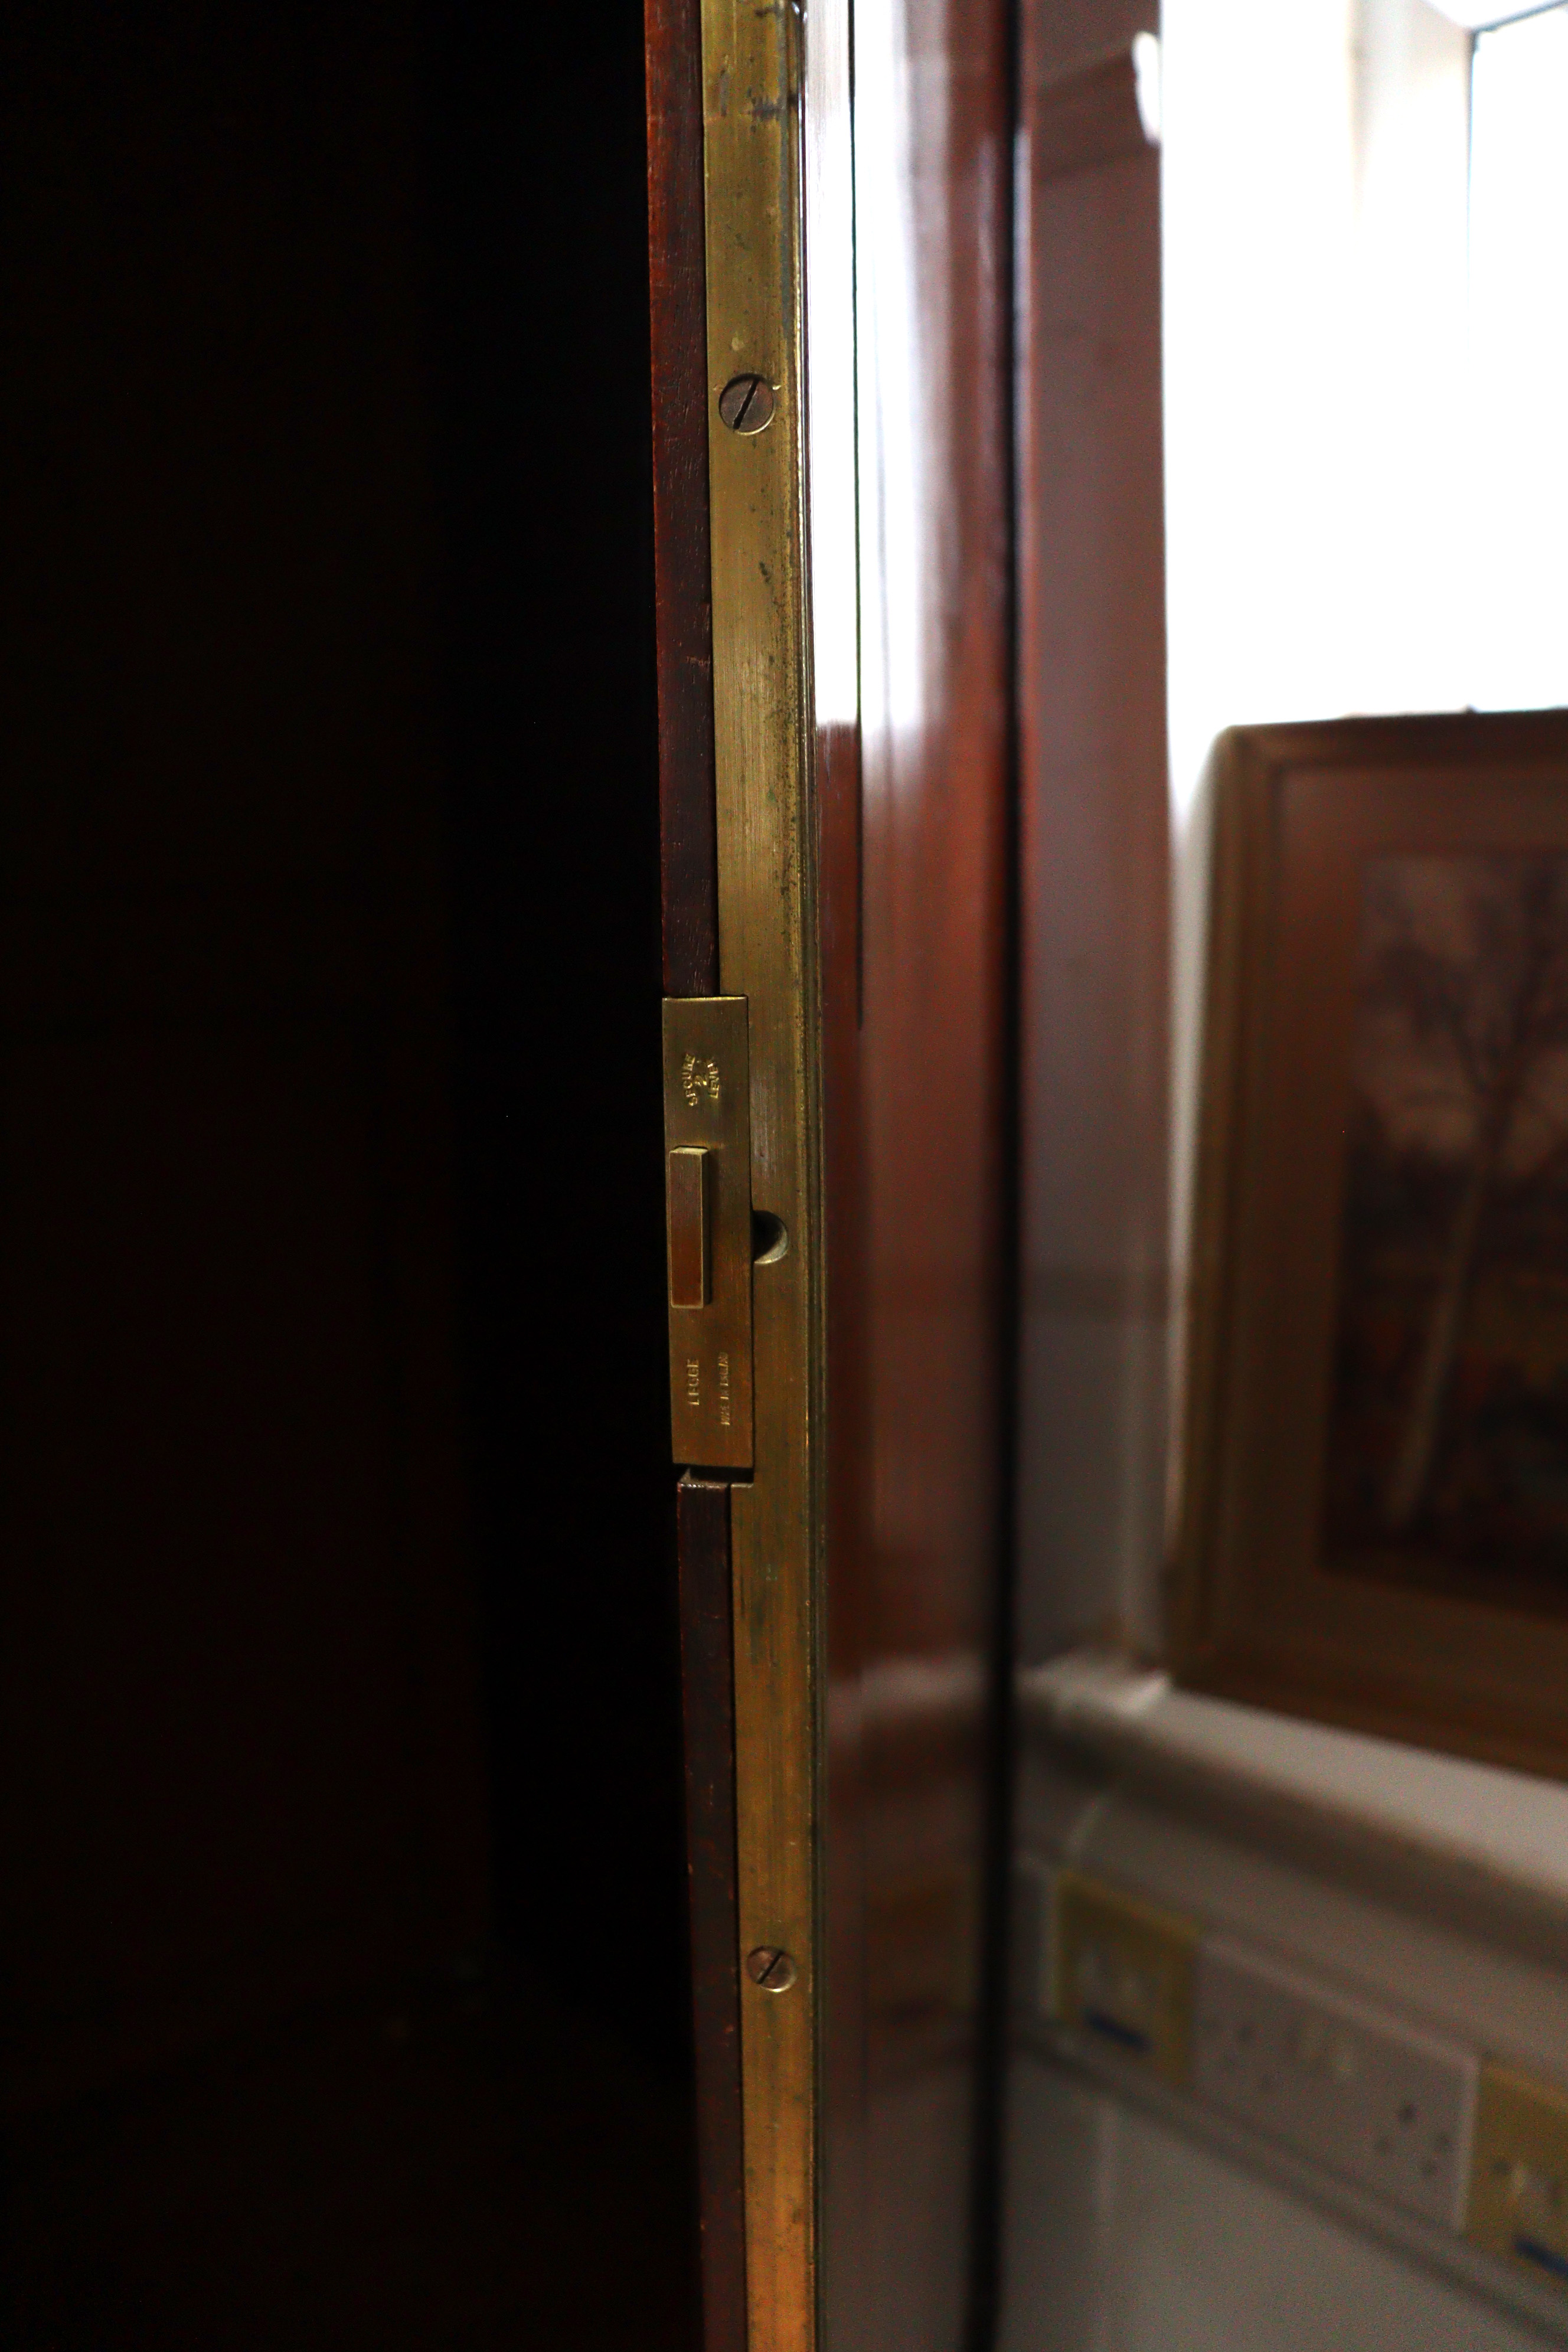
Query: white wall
[(1129, 2237)]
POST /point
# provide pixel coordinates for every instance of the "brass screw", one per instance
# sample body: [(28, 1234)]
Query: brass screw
[(746, 404), (771, 1967)]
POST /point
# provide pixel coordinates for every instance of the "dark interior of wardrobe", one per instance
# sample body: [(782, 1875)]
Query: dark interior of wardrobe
[(344, 1994)]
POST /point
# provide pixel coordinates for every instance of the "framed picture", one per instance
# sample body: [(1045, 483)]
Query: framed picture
[(1374, 1509)]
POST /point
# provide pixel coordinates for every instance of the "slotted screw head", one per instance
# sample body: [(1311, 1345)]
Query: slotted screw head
[(771, 1967), (746, 404)]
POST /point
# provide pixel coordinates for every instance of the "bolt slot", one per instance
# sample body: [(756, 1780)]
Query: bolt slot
[(770, 1237)]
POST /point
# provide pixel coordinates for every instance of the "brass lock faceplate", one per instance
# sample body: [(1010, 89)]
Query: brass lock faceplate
[(708, 1201)]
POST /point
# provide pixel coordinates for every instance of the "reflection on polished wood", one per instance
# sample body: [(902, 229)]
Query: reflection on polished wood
[(915, 830), (1095, 872)]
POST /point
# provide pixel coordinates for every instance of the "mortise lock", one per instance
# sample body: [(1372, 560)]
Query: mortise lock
[(708, 1199)]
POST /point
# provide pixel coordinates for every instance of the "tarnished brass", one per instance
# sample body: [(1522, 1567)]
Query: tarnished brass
[(706, 1131), (1519, 2171), (691, 1262), (767, 953)]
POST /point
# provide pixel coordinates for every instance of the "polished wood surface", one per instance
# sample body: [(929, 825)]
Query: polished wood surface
[(1078, 119), (914, 838), (685, 651), (1095, 863)]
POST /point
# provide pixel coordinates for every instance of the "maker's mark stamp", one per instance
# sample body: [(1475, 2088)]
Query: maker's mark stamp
[(699, 1078)]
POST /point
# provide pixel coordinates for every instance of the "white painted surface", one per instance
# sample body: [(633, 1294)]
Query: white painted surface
[(1495, 1982), (1124, 2235), (1474, 1824), (1315, 339), (1347, 2086), (1390, 1885)]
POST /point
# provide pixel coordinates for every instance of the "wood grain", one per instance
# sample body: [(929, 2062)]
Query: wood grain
[(1096, 877), (1086, 117)]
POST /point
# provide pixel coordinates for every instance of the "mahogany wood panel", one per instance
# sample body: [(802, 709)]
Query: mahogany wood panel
[(707, 1660), (915, 833), (682, 583), (1085, 117), (849, 1617), (1095, 866)]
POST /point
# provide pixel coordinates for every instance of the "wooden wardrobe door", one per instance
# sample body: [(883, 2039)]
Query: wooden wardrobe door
[(831, 236)]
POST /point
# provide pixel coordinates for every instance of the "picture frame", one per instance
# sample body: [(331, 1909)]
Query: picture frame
[(1373, 1523)]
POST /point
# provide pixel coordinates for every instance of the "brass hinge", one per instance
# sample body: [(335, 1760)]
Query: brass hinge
[(708, 1204)]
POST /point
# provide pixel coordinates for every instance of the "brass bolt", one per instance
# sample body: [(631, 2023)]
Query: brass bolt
[(771, 1967), (746, 404)]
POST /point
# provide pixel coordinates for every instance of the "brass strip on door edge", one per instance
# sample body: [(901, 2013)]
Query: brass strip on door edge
[(767, 954)]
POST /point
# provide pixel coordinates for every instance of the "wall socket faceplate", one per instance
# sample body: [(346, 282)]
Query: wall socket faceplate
[(1387, 2105), (1519, 2181), (1378, 2101), (1121, 1972)]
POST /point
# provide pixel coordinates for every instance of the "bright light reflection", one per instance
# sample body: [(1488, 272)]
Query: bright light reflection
[(830, 343), (1518, 605), (1314, 200), (1256, 221), (1366, 358)]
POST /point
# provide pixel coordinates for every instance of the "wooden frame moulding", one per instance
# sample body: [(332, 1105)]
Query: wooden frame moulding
[(1380, 1628)]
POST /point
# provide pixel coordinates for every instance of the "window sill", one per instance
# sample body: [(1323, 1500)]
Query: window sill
[(1488, 1832)]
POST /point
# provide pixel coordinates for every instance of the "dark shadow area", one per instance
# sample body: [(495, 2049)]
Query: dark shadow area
[(468, 2166), (546, 484), (344, 1997)]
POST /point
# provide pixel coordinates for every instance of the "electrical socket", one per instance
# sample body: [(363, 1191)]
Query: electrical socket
[(1122, 1973), (1373, 2098), (1519, 2180)]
